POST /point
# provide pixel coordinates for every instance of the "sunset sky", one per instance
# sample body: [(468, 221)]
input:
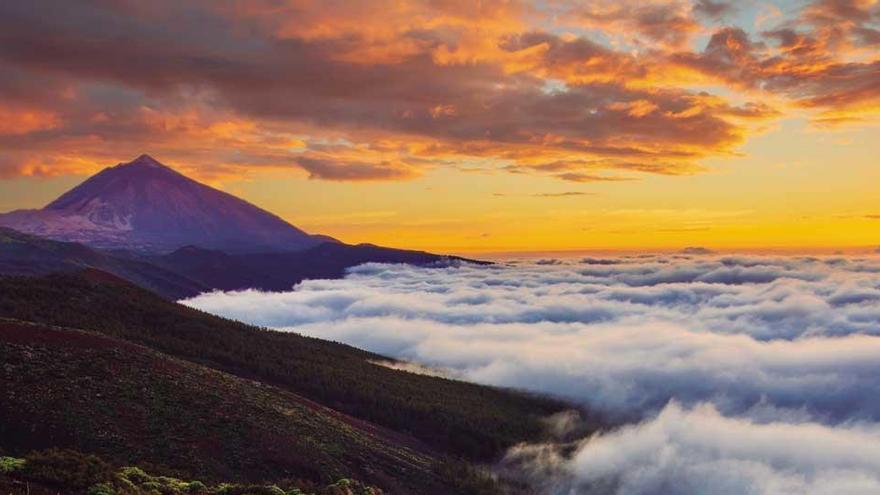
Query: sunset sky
[(465, 125)]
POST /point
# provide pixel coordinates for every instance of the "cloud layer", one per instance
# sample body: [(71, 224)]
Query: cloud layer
[(730, 355), (385, 90), (699, 451)]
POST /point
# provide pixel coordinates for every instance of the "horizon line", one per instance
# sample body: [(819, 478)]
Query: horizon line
[(710, 250)]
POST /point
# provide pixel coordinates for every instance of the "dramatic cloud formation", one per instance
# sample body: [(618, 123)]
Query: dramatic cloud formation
[(695, 452), (399, 87), (754, 351)]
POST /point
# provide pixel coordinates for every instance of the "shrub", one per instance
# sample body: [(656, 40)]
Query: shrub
[(226, 489), (123, 485), (102, 489), (151, 487), (66, 468), (135, 475), (347, 486), (10, 464), (196, 487), (172, 486)]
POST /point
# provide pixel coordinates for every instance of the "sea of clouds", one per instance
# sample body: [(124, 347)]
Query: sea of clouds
[(736, 374)]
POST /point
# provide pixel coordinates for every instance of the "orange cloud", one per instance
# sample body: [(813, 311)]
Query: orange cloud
[(400, 87), (827, 59), (668, 23), (25, 121)]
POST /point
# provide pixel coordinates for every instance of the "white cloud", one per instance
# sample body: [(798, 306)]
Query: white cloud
[(765, 341), (699, 452)]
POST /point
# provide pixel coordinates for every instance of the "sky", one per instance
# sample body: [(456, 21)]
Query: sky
[(467, 126)]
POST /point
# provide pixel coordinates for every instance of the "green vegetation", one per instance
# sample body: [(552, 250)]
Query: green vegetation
[(65, 468), (10, 464), (79, 474), (471, 421)]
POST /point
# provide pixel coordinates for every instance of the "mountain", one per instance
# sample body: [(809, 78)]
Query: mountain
[(146, 381), (152, 226), (145, 206)]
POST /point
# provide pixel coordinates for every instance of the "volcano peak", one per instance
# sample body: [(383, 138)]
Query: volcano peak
[(148, 206)]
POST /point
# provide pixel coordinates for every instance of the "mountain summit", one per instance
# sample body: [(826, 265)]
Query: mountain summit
[(146, 206)]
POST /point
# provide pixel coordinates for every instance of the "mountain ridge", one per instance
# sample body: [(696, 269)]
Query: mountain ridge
[(191, 270), (26, 254)]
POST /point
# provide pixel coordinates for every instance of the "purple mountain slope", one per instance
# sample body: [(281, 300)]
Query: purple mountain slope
[(145, 206)]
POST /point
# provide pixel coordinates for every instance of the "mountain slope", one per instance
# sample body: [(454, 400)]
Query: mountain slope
[(146, 206), (74, 389), (467, 420)]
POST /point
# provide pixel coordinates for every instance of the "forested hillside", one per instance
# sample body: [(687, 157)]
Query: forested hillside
[(82, 390), (452, 417)]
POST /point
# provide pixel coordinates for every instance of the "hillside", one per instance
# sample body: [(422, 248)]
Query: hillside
[(73, 389), (466, 420)]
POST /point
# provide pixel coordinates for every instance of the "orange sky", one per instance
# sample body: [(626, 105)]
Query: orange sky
[(468, 126)]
